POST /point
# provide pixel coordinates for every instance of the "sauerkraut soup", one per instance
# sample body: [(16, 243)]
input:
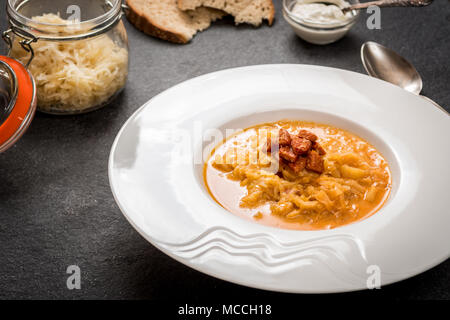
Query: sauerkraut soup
[(298, 175)]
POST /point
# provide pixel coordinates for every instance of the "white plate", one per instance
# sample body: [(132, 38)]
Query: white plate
[(163, 196)]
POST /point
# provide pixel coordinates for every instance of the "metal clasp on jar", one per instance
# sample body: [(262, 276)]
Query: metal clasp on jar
[(27, 40)]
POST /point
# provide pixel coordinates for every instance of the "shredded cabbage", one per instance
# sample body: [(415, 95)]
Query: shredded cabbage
[(75, 75)]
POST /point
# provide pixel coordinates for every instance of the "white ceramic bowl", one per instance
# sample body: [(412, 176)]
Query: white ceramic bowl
[(317, 32), (164, 196)]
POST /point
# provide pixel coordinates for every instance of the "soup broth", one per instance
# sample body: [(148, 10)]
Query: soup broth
[(339, 178)]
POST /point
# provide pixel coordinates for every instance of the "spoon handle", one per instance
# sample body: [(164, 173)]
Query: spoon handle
[(388, 3)]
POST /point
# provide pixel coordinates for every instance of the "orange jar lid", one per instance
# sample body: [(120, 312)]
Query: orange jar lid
[(17, 101)]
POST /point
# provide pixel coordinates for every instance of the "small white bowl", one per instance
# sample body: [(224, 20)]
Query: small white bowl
[(318, 32)]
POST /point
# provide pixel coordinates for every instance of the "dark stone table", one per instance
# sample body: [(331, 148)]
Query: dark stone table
[(56, 207)]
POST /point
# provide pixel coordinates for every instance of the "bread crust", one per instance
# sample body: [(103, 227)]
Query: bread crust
[(272, 13), (270, 20), (148, 26)]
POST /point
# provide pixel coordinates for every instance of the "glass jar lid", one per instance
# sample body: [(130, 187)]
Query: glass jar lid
[(17, 101)]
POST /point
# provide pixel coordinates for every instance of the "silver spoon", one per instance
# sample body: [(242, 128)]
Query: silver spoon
[(385, 64), (388, 3)]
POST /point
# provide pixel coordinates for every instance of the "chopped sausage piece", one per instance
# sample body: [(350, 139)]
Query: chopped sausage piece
[(284, 137), (300, 145), (314, 162), (298, 165), (287, 154), (307, 135), (319, 148)]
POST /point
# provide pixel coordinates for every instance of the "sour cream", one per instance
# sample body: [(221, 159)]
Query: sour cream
[(313, 11)]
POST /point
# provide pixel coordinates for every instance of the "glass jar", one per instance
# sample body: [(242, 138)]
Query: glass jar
[(76, 50)]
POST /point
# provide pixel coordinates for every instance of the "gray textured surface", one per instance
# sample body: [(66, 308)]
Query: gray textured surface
[(56, 207)]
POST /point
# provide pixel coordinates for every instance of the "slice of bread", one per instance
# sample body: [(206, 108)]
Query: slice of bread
[(244, 11), (163, 19)]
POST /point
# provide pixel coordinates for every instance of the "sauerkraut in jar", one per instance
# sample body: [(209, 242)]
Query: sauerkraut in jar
[(77, 51)]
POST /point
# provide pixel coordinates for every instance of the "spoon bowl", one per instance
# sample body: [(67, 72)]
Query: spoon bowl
[(385, 64)]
